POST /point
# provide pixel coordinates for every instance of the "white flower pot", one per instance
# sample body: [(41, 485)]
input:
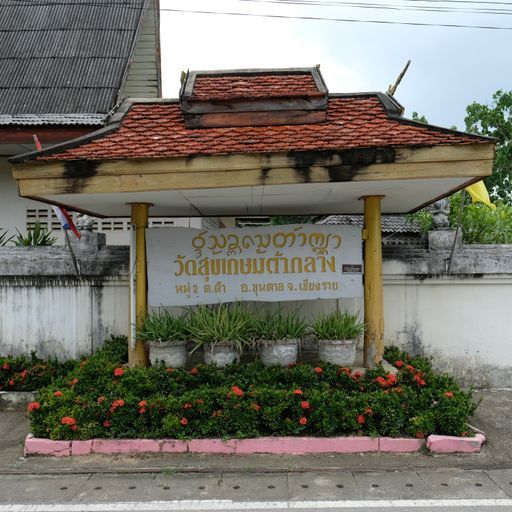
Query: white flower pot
[(279, 352), (341, 352), (220, 354), (172, 353)]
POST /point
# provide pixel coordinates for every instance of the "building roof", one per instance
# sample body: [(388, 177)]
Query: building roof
[(64, 62), (156, 129), (390, 223), (251, 84)]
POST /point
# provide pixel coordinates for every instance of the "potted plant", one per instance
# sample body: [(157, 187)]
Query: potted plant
[(337, 334), (223, 330), (278, 336), (166, 335)]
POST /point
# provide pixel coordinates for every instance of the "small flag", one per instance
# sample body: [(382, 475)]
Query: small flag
[(37, 143), (479, 194), (66, 220)]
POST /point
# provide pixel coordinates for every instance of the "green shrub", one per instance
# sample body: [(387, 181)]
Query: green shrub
[(100, 398), (39, 236), (277, 325), (164, 326)]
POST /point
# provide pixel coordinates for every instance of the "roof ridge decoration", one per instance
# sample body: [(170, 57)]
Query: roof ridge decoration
[(253, 97)]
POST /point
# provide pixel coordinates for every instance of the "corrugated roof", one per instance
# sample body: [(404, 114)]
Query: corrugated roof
[(63, 62), (157, 130), (390, 223)]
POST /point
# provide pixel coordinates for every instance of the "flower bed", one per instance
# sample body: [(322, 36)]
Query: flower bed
[(101, 399), (23, 373)]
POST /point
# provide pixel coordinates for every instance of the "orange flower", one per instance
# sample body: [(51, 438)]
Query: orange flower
[(200, 401), (344, 370), (356, 375), (187, 406), (194, 371), (409, 368), (382, 381), (448, 394), (420, 435), (256, 407), (101, 399), (237, 391), (107, 424), (169, 370), (399, 363), (304, 404), (118, 372), (73, 382), (5, 366), (143, 403), (142, 410), (68, 420), (368, 411), (58, 394), (33, 406), (303, 420), (297, 392), (361, 419), (318, 370), (184, 421), (392, 379)]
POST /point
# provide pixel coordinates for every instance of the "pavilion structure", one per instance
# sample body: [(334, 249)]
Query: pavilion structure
[(259, 142)]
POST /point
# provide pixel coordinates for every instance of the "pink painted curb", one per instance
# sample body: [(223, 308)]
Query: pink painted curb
[(273, 445), (400, 444), (451, 444)]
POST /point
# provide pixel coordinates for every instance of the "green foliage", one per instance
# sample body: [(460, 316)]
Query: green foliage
[(28, 373), (4, 239), (277, 220), (98, 398), (221, 323), (422, 218), (39, 236), (337, 326), (419, 118), (277, 325), (495, 120), (164, 326)]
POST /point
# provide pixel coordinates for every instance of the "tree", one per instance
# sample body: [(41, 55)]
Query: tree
[(495, 120)]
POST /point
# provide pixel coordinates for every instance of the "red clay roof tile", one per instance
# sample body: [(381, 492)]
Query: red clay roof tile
[(157, 130)]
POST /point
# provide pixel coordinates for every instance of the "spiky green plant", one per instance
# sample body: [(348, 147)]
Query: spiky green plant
[(221, 323), (164, 326), (39, 236), (277, 325), (337, 326), (4, 238)]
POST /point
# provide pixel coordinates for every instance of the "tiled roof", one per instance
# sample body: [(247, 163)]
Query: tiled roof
[(157, 130), (257, 86), (390, 223), (64, 58), (48, 119)]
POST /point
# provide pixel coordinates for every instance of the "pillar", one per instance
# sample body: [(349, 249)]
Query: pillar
[(137, 355), (373, 285)]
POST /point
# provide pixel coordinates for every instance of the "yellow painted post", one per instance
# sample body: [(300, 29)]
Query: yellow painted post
[(137, 355), (373, 285)]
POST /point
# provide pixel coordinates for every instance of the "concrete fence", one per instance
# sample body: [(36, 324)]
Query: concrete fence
[(463, 318)]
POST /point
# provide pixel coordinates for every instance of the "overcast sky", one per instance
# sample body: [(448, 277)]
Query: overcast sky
[(451, 67)]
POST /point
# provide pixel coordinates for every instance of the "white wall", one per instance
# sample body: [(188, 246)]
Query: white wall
[(464, 322)]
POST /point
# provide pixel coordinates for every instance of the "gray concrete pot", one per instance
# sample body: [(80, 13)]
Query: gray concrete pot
[(280, 352), (220, 354), (172, 353), (341, 352)]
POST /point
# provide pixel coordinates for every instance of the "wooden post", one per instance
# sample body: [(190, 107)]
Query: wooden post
[(137, 355), (373, 285)]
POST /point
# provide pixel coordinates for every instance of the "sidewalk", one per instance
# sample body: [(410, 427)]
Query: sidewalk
[(494, 417)]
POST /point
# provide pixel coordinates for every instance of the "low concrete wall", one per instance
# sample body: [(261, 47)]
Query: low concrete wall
[(45, 306), (461, 318)]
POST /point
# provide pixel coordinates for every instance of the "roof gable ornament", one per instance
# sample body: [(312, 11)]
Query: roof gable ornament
[(253, 97)]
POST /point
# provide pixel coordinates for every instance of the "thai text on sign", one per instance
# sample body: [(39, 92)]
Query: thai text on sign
[(273, 263)]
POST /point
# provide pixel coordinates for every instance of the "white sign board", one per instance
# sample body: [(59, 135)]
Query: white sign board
[(274, 263)]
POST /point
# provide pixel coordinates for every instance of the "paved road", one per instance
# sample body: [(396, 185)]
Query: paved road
[(429, 490)]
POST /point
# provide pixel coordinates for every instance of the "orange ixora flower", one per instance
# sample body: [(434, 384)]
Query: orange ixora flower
[(118, 372), (194, 371), (368, 411), (237, 391), (399, 363), (448, 394), (318, 370), (33, 406), (184, 421), (101, 399), (58, 394), (169, 370), (68, 420), (297, 392), (305, 405), (303, 420), (5, 366), (107, 424), (187, 405), (73, 382), (361, 419)]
